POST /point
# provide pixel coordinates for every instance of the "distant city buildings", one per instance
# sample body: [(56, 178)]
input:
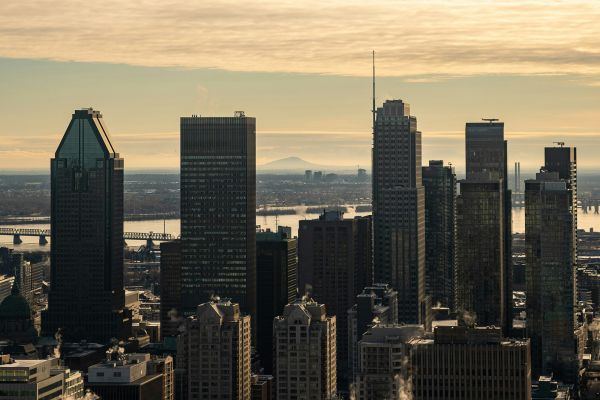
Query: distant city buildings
[(334, 265), (484, 234), (399, 209), (276, 271), (86, 299), (218, 210), (304, 345), (440, 232), (214, 352)]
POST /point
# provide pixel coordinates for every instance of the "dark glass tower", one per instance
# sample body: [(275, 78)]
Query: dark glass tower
[(218, 211), (399, 209), (86, 298), (550, 276), (276, 271), (564, 161), (484, 228), (440, 231)]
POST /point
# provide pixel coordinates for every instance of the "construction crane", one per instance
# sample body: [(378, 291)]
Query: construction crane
[(559, 144), (490, 120)]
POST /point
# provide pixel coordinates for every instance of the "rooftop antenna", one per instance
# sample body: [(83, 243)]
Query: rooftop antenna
[(490, 120), (559, 144), (373, 109)]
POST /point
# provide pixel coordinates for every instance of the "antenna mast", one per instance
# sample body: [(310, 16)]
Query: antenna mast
[(373, 109)]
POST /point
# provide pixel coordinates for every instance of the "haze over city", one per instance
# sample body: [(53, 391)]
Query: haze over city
[(303, 70)]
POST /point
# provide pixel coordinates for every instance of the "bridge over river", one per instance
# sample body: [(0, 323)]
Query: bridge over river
[(43, 234)]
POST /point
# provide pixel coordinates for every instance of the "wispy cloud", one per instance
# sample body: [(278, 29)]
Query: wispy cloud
[(412, 37)]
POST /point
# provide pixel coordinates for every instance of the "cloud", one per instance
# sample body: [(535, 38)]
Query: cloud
[(412, 37)]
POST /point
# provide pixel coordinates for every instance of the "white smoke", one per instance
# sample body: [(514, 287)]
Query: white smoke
[(58, 337), (403, 381)]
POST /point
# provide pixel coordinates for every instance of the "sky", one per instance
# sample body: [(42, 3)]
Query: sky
[(303, 69)]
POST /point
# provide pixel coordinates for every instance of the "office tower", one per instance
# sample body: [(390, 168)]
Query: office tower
[(483, 281), (126, 376), (171, 314), (489, 366), (164, 366), (86, 298), (564, 161), (30, 379), (377, 304), (550, 276), (304, 346), (399, 209), (308, 174), (361, 175), (384, 370), (440, 232), (215, 352), (218, 210), (334, 262), (276, 276)]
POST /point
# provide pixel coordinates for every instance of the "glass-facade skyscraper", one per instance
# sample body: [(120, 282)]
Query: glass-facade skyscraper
[(484, 228), (440, 231), (550, 276), (218, 211), (399, 209), (86, 299)]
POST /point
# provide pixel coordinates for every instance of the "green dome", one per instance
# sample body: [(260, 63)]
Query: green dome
[(14, 306)]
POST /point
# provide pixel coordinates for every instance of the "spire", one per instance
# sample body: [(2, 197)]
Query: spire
[(373, 109)]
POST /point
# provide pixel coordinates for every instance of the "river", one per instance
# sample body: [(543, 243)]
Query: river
[(585, 221)]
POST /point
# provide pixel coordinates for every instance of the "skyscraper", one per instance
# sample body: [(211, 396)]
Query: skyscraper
[(332, 262), (86, 298), (304, 352), (218, 210), (564, 161), (550, 276), (215, 352), (276, 271), (399, 209), (440, 231), (484, 229)]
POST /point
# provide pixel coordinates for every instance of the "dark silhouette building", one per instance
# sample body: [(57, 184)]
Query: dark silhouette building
[(16, 322), (550, 277), (218, 211), (276, 272), (86, 299), (483, 282), (564, 161), (171, 317), (440, 232), (332, 267)]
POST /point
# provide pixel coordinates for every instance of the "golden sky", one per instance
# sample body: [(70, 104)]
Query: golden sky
[(302, 68)]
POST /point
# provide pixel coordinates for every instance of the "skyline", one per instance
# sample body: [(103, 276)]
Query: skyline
[(304, 75)]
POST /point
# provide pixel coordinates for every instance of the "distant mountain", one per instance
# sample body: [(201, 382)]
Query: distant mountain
[(296, 164)]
